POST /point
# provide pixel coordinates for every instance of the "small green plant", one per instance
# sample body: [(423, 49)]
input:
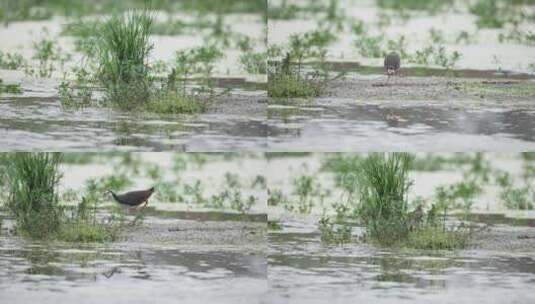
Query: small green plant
[(292, 86), (286, 79), (10, 88), (436, 238), (276, 198), (198, 61), (48, 54), (307, 189), (237, 202), (71, 98), (260, 182), (232, 180), (521, 198), (488, 14), (370, 46), (254, 62), (283, 11), (170, 102), (332, 233), (274, 226), (12, 61), (459, 195)]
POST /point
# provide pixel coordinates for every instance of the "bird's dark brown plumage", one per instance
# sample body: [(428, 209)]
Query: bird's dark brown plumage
[(133, 198), (392, 63)]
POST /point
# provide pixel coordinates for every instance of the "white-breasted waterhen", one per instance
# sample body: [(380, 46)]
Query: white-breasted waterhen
[(133, 199), (392, 64)]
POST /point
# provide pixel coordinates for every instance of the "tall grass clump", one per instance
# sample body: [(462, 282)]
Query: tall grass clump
[(32, 180), (122, 54), (383, 187)]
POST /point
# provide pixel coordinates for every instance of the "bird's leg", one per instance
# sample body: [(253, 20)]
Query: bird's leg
[(143, 205)]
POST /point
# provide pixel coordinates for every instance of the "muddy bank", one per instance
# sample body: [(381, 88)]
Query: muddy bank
[(245, 236), (431, 88), (505, 239), (252, 104)]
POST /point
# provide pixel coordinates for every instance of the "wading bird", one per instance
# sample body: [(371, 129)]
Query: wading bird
[(133, 199), (392, 64)]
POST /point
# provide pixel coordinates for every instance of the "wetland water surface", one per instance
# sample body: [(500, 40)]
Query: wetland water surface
[(302, 270), (351, 126), (39, 123), (133, 271)]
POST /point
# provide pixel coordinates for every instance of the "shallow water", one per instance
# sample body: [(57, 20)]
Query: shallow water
[(91, 274), (130, 272), (484, 52), (388, 127), (35, 123), (301, 270)]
